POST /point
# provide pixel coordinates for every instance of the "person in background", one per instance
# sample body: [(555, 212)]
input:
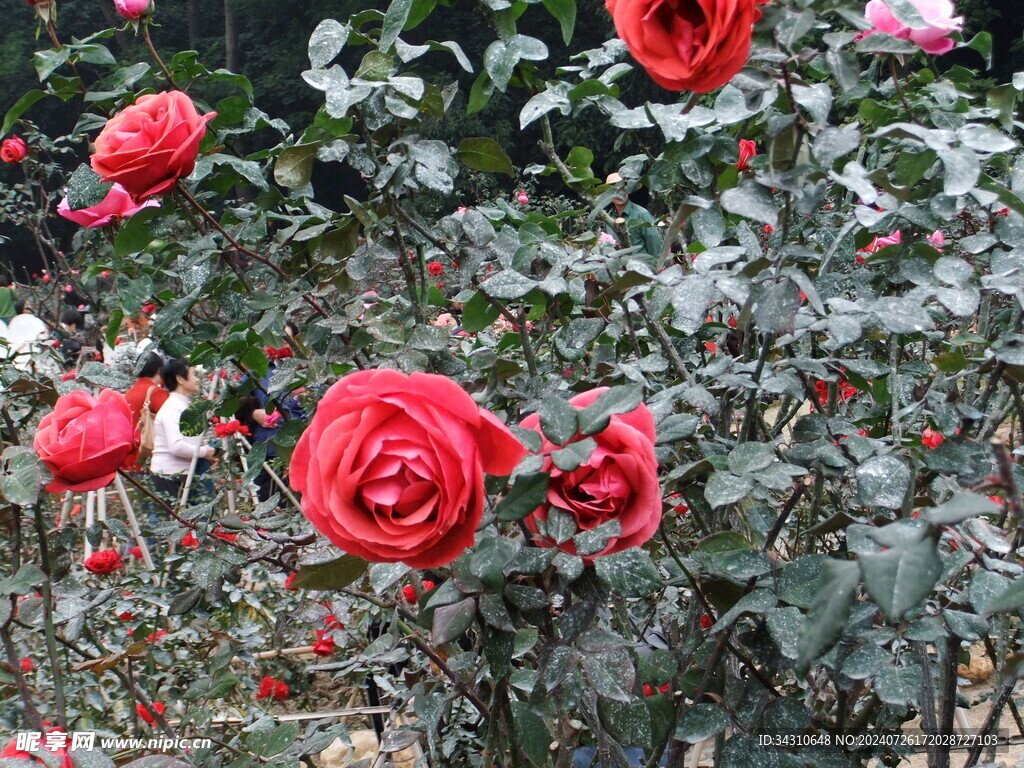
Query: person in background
[(147, 385), (173, 451), (637, 220), (7, 298), (70, 335), (26, 334)]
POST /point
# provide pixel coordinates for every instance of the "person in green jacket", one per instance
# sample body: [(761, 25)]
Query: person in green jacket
[(638, 221), (7, 298)]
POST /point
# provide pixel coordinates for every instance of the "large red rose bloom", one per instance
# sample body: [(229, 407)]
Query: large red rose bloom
[(687, 45), (391, 467), (618, 482)]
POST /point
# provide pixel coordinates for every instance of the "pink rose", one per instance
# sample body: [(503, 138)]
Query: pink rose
[(933, 37), (85, 440), (117, 205), (748, 149), (522, 198), (391, 467), (937, 239), (131, 9), (13, 150), (618, 482), (148, 146)]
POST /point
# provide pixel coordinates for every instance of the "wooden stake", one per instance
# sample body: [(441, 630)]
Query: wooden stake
[(90, 510), (133, 523), (65, 511), (273, 476)]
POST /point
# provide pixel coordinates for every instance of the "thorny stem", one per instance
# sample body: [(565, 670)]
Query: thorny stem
[(156, 56), (666, 343), (31, 713), (433, 655), (51, 642)]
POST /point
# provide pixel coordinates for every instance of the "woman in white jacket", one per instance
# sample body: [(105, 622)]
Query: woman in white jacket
[(173, 451)]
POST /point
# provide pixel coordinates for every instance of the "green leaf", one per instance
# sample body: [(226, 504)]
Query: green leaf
[(827, 617), (961, 507), (629, 573), (85, 189), (901, 577), (23, 477), (266, 742), (452, 621), (724, 488), (751, 457), (184, 602), (194, 418), (326, 42), (337, 574), (569, 458), (294, 165), (1008, 600), (700, 722), (484, 154), (883, 482), (532, 735), (624, 399), (24, 581), (558, 420), (982, 43), (564, 12), (527, 493), (478, 313), (394, 21), (901, 685), (19, 108), (136, 233), (114, 327), (490, 558)]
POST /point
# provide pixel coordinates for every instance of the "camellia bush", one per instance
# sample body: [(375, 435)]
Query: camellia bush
[(749, 494)]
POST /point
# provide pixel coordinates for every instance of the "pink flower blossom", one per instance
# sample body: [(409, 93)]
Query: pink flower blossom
[(937, 239), (131, 9), (117, 205), (522, 198), (604, 237), (933, 37)]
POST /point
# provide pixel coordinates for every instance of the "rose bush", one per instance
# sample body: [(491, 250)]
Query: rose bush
[(148, 146), (687, 45), (617, 482), (391, 467), (85, 440)]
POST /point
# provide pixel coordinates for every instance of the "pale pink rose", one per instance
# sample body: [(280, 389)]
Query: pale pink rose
[(938, 18), (522, 198), (937, 239), (131, 9), (444, 320), (604, 237), (462, 209), (881, 242), (117, 205)]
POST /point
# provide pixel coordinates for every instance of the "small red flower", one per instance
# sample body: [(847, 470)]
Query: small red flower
[(47, 278), (706, 622), (650, 691), (189, 540), (279, 353), (145, 714), (125, 616), (228, 428), (409, 593), (152, 637), (271, 687), (148, 308), (931, 438), (68, 376), (732, 322), (522, 198), (104, 561), (27, 665), (289, 583), (136, 552), (435, 268), (428, 585), (767, 229), (224, 535), (996, 500), (710, 346), (324, 645), (748, 149)]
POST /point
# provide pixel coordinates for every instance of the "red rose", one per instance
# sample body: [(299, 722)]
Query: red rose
[(104, 561), (748, 149), (230, 428), (85, 440), (11, 750), (289, 583), (931, 438), (13, 150), (148, 308), (136, 552), (706, 622), (687, 45), (279, 353), (391, 466), (618, 482), (27, 665), (125, 616), (149, 145), (145, 714), (435, 268), (324, 645), (189, 540), (409, 593), (152, 637), (271, 687)]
